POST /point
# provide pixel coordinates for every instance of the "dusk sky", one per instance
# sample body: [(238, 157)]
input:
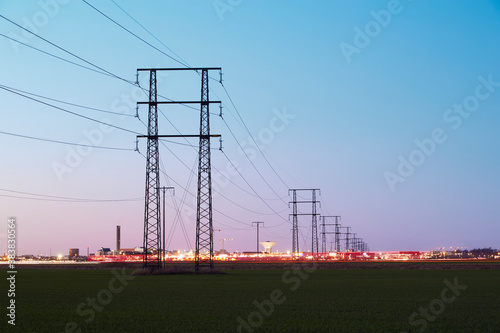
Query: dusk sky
[(391, 108)]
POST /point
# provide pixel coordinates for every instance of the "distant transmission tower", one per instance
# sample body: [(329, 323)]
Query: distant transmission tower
[(314, 219), (204, 228), (354, 240), (314, 223), (323, 235), (337, 233), (324, 232), (295, 223), (347, 239)]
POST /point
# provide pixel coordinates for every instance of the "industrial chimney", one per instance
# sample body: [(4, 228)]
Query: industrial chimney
[(118, 239)]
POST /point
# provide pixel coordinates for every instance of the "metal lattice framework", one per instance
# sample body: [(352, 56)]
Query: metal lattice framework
[(204, 254), (337, 233), (314, 220), (347, 238), (323, 235), (314, 223), (295, 223), (324, 232), (152, 227), (204, 230)]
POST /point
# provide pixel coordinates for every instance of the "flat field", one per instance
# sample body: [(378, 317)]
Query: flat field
[(299, 298)]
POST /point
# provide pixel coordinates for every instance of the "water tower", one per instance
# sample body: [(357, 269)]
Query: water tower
[(268, 246)]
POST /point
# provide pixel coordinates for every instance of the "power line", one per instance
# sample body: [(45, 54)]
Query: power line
[(130, 32), (251, 162), (61, 198), (256, 194), (163, 114), (222, 195), (107, 73), (67, 103), (57, 57), (64, 50), (282, 169), (182, 144), (64, 142), (150, 33), (251, 136), (67, 111), (182, 61), (93, 70), (251, 186), (178, 216)]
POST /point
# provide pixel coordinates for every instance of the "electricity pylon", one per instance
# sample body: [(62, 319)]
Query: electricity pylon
[(204, 227), (314, 219)]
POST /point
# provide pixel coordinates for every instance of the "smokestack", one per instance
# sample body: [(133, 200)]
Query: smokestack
[(118, 239)]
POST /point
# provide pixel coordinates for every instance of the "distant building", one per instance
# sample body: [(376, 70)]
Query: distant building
[(104, 251), (73, 253), (127, 251)]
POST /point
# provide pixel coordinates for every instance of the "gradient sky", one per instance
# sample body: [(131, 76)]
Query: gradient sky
[(353, 117)]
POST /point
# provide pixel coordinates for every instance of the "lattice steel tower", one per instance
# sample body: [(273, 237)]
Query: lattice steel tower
[(324, 232), (295, 223), (314, 223), (314, 220), (347, 238), (337, 233), (204, 234), (152, 227)]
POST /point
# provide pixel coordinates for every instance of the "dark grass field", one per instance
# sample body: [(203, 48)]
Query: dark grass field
[(292, 299)]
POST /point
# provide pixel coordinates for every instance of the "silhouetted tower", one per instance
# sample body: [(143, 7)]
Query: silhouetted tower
[(314, 223), (152, 228), (204, 239), (337, 233), (314, 214), (347, 238), (323, 235), (324, 232), (204, 234), (353, 241), (295, 223)]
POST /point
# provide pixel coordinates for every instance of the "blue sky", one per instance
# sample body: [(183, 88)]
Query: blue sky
[(324, 120)]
